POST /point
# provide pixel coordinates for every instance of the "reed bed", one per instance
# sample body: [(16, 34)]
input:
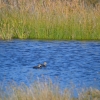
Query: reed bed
[(44, 91), (49, 19)]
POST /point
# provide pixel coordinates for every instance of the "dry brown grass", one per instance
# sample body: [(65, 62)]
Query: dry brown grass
[(37, 91), (45, 91)]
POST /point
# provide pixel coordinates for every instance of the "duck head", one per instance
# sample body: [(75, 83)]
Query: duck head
[(45, 64)]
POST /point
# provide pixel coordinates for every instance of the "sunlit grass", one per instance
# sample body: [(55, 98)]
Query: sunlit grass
[(37, 91), (90, 94), (45, 90), (49, 20)]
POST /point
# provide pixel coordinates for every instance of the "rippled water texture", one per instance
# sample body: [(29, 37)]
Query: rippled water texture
[(67, 61)]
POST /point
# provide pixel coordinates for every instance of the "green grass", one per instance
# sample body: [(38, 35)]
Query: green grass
[(50, 20), (45, 90)]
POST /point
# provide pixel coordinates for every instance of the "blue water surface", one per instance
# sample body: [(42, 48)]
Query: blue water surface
[(68, 62)]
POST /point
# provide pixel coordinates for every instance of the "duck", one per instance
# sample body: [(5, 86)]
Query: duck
[(37, 67)]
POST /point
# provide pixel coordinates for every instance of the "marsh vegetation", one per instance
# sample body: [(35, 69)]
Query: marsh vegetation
[(50, 19), (45, 91)]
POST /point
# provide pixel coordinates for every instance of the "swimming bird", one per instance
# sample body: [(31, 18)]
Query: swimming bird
[(37, 67)]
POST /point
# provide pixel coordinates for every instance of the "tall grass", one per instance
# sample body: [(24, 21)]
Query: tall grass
[(44, 91), (49, 19)]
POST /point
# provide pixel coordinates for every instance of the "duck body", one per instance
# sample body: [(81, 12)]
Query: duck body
[(37, 67), (40, 66)]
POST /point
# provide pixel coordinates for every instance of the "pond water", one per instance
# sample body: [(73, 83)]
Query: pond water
[(68, 62)]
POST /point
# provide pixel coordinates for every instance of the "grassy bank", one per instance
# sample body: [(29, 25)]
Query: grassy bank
[(45, 91), (49, 19)]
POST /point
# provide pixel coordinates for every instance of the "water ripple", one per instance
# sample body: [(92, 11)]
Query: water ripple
[(68, 61)]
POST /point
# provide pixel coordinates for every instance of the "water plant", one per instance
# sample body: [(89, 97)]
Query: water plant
[(49, 19)]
